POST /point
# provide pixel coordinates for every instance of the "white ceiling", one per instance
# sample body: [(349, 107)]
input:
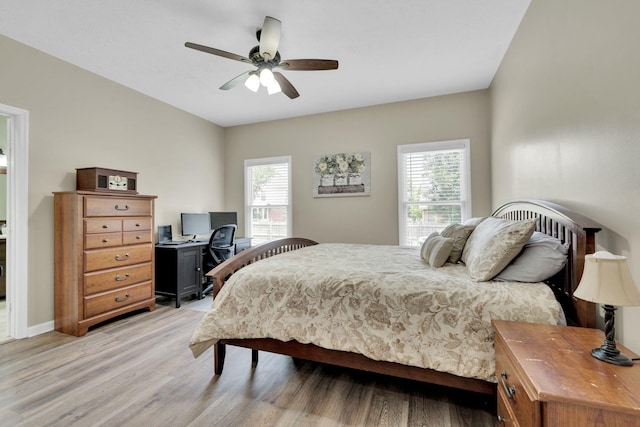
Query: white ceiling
[(388, 50)]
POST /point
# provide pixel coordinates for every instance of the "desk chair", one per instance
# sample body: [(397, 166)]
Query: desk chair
[(220, 248)]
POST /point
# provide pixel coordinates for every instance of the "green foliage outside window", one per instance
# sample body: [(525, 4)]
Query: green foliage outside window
[(260, 176), (439, 181)]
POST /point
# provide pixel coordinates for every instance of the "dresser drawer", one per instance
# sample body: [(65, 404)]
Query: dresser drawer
[(136, 224), (107, 301), (113, 206), (505, 414), (136, 237), (512, 395), (102, 225), (100, 259), (116, 278), (102, 240)]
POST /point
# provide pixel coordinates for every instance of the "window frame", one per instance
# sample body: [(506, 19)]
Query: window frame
[(248, 191), (456, 144)]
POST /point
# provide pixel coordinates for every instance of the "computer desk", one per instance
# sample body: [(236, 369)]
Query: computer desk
[(179, 270)]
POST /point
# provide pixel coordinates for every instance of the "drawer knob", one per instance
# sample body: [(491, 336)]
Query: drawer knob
[(118, 208), (118, 299), (138, 237), (120, 279), (105, 225), (126, 257), (105, 240), (510, 391), (138, 225)]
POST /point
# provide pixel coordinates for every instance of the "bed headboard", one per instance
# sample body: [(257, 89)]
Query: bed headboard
[(569, 227)]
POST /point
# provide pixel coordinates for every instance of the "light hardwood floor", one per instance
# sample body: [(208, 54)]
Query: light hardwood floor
[(138, 371)]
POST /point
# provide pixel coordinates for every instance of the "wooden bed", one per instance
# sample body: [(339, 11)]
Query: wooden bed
[(553, 220)]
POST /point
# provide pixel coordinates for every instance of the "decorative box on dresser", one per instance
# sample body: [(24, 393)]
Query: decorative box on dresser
[(103, 256), (547, 377)]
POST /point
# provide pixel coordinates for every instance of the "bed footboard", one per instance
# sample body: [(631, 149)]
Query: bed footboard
[(223, 271)]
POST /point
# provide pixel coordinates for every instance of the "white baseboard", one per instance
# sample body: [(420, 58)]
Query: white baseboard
[(40, 329)]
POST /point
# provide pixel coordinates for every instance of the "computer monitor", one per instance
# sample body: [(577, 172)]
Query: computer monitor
[(219, 219), (164, 233), (194, 224)]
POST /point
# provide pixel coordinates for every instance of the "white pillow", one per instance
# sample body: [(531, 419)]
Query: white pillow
[(493, 244), (542, 257), (436, 249)]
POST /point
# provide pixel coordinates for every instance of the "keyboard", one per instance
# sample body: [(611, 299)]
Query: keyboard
[(173, 242)]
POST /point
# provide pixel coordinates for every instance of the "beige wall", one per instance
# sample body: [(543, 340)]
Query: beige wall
[(566, 122), (379, 130), (78, 119)]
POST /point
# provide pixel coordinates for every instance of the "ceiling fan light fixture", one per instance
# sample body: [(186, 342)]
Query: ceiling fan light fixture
[(265, 57), (253, 82), (266, 77), (274, 87)]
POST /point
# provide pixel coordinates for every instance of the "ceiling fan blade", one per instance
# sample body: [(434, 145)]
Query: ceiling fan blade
[(269, 37), (236, 81), (309, 64), (285, 85), (218, 52)]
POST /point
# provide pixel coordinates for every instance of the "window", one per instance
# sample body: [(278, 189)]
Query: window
[(433, 188), (267, 198)]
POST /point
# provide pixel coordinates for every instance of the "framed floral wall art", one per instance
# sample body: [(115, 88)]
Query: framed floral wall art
[(342, 174)]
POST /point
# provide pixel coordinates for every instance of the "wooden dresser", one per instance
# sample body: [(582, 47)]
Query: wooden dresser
[(103, 256), (547, 377)]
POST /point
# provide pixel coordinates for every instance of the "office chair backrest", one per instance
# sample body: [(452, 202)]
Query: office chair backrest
[(221, 243), (223, 236)]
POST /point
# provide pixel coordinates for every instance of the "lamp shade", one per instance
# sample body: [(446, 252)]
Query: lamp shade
[(266, 77), (274, 87), (253, 82), (607, 280)]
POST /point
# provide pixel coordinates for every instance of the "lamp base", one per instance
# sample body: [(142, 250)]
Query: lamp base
[(612, 356)]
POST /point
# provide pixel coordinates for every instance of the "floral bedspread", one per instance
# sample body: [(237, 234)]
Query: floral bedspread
[(383, 302)]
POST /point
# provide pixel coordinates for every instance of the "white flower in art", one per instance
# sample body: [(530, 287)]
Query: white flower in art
[(361, 168), (359, 157), (322, 166), (343, 166)]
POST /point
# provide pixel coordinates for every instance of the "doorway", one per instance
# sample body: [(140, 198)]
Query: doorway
[(4, 331), (17, 190)]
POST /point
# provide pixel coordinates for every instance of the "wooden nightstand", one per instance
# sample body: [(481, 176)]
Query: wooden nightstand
[(547, 377)]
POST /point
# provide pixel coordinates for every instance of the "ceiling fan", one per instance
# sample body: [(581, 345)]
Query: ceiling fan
[(266, 57)]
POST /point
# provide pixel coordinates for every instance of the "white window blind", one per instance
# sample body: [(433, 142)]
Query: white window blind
[(267, 198), (433, 188)]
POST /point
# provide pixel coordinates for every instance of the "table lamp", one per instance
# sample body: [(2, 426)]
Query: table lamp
[(607, 280)]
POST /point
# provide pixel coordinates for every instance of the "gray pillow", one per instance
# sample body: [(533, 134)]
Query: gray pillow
[(493, 244), (542, 257), (436, 249), (459, 233)]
